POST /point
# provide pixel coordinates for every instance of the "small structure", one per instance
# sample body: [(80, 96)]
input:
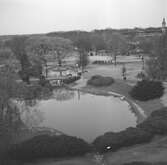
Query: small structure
[(101, 56), (163, 26), (58, 74)]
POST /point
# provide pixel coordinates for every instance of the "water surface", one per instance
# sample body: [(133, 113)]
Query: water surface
[(81, 114)]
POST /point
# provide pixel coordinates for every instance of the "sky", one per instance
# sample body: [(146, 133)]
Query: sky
[(42, 16)]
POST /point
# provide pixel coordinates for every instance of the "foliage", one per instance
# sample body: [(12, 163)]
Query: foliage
[(152, 69), (146, 44), (145, 90), (83, 42), (40, 46), (156, 123), (141, 76), (46, 146), (71, 79), (8, 89), (128, 137), (3, 161), (98, 81), (35, 91), (144, 163), (5, 54), (83, 59), (18, 47), (102, 62), (117, 44), (156, 66), (97, 41)]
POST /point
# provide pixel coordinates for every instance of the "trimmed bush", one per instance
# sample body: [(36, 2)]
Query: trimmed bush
[(128, 137), (71, 79), (141, 76), (98, 81), (145, 163), (102, 62), (45, 146), (10, 162), (146, 90), (156, 123)]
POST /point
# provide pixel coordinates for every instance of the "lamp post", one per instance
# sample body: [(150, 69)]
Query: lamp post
[(142, 62)]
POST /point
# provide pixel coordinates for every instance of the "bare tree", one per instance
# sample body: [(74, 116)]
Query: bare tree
[(18, 47)]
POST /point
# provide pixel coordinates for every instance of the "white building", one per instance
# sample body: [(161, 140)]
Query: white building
[(100, 56)]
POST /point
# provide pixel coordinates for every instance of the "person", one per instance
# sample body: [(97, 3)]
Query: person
[(124, 72)]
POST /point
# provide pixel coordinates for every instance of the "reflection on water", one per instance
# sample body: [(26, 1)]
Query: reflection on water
[(62, 94), (80, 114)]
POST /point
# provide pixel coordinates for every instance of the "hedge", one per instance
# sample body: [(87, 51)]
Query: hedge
[(71, 79), (156, 123), (128, 137), (146, 90), (145, 163), (98, 81), (46, 146)]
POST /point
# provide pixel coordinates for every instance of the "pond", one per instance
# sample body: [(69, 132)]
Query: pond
[(81, 114)]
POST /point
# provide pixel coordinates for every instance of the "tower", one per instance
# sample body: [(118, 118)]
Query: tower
[(163, 26)]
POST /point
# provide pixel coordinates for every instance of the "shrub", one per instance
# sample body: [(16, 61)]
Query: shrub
[(141, 76), (44, 83), (145, 90), (71, 79), (145, 163), (45, 146), (138, 163), (98, 80), (36, 91), (102, 62), (10, 162), (128, 137), (156, 123)]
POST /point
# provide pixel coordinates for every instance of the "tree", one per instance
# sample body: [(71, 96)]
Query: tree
[(83, 42), (117, 44), (157, 64), (83, 59), (40, 46), (9, 89), (18, 47), (97, 42)]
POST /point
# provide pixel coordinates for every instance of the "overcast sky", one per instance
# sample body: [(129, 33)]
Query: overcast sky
[(41, 16)]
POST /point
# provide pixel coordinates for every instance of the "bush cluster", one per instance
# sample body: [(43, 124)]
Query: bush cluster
[(155, 124), (102, 62), (145, 90), (46, 146), (98, 81), (34, 91), (144, 163), (128, 137), (71, 79)]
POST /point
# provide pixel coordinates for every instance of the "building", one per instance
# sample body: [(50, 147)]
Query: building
[(101, 56), (163, 26)]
